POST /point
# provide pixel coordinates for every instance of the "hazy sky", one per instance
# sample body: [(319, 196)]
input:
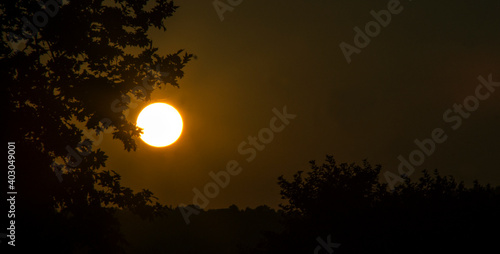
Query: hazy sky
[(271, 54)]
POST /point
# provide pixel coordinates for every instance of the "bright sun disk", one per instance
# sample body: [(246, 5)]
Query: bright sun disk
[(161, 124)]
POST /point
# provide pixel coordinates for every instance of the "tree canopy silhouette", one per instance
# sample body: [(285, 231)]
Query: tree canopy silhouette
[(348, 205), (67, 68)]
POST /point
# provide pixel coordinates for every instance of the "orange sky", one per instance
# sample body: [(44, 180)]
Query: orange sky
[(271, 54)]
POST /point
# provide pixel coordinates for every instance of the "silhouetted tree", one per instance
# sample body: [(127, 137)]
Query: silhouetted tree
[(348, 204), (67, 68)]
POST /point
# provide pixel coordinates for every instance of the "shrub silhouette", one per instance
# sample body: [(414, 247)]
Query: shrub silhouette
[(347, 202)]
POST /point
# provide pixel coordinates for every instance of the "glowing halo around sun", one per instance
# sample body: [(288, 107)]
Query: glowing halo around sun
[(161, 124)]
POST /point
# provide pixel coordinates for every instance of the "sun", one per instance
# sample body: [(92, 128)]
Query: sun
[(161, 124)]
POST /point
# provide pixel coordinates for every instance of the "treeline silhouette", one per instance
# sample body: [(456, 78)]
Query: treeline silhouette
[(342, 205), (229, 230)]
